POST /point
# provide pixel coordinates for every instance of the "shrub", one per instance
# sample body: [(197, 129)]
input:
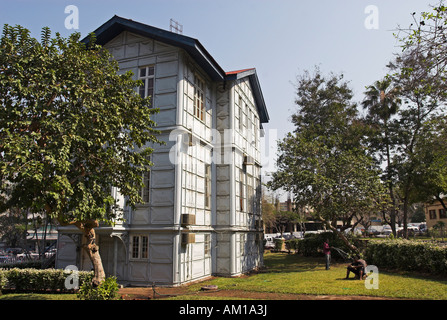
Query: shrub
[(312, 244), (292, 244), (408, 255), (107, 290), (34, 280), (278, 243), (3, 282)]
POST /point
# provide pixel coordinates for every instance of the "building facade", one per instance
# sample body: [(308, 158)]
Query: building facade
[(201, 212), (435, 212)]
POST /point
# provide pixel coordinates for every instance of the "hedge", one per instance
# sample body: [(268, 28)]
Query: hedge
[(312, 244), (407, 255), (34, 280)]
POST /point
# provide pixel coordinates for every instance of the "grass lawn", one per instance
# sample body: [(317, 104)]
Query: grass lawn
[(38, 296), (294, 274), (303, 275)]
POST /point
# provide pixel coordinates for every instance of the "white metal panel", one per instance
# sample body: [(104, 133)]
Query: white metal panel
[(162, 214), (66, 251), (164, 85), (166, 69), (146, 47), (131, 50), (141, 215), (139, 271)]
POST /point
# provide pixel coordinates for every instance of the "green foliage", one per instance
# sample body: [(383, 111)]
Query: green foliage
[(278, 243), (107, 290), (407, 255), (312, 245), (324, 161), (33, 280), (3, 281), (71, 127)]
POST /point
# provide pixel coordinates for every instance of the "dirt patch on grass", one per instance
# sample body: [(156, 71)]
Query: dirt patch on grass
[(134, 293)]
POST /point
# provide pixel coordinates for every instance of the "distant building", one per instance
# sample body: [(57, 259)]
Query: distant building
[(201, 212), (434, 212)]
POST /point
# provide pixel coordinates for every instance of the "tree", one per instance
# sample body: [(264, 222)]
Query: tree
[(13, 228), (430, 162), (382, 100), (420, 73), (71, 128), (324, 162)]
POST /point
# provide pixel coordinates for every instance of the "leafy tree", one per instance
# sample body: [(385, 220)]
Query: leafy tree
[(71, 128), (430, 162), (382, 100), (13, 228), (324, 162), (420, 73)]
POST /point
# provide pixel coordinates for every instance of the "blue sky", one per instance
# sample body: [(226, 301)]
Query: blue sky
[(279, 38)]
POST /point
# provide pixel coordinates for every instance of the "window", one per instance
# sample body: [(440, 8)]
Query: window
[(147, 75), (207, 245), (246, 116), (207, 185), (140, 245), (242, 243), (241, 191), (240, 114), (250, 194), (432, 214), (256, 131), (145, 189), (199, 100), (442, 214)]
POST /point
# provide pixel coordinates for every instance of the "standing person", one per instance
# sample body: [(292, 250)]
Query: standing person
[(327, 253)]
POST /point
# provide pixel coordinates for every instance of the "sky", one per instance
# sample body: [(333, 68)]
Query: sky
[(280, 38)]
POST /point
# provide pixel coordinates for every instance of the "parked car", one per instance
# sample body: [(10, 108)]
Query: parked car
[(357, 231), (413, 229), (423, 227), (374, 230), (14, 251), (269, 244)]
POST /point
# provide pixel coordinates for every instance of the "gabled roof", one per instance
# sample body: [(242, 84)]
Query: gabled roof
[(193, 47), (256, 87)]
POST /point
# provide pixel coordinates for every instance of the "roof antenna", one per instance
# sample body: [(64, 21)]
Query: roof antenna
[(174, 26)]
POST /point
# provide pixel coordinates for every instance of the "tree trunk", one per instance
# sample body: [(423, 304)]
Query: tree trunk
[(340, 235), (90, 247), (92, 250)]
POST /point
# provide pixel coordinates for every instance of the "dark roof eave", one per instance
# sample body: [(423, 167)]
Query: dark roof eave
[(257, 92), (116, 25), (193, 47)]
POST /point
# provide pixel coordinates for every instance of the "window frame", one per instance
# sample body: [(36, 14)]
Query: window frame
[(241, 190), (199, 98), (432, 214), (208, 186), (207, 245), (148, 90), (241, 124), (139, 247)]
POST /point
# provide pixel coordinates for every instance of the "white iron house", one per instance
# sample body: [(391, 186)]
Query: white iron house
[(201, 213)]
